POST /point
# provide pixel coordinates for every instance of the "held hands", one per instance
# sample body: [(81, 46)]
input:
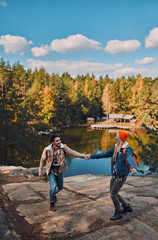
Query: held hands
[(87, 156), (134, 171)]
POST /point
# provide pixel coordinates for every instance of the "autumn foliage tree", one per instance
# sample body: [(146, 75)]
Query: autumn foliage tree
[(35, 98)]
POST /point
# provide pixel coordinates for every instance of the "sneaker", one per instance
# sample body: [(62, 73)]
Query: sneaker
[(116, 216), (127, 209)]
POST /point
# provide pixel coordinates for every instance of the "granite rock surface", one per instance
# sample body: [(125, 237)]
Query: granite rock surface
[(84, 207)]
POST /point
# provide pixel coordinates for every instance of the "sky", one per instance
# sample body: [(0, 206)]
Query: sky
[(99, 37)]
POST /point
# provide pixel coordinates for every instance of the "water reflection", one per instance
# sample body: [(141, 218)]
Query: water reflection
[(86, 140), (91, 141)]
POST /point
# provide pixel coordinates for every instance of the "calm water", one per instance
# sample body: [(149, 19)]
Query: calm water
[(86, 140)]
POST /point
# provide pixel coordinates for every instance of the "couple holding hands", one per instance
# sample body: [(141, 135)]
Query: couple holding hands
[(54, 156)]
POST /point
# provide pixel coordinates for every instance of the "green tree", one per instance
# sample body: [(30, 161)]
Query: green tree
[(15, 133), (149, 153), (154, 99)]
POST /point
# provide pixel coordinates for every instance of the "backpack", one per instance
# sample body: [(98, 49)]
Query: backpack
[(134, 157)]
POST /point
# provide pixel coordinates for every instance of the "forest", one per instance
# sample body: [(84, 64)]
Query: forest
[(32, 100)]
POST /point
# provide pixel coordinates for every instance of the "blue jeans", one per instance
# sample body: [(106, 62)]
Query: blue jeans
[(56, 185)]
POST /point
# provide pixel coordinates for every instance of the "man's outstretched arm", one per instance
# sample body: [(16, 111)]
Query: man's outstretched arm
[(73, 153)]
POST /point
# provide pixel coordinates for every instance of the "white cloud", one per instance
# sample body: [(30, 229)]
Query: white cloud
[(116, 46), (3, 3), (151, 41), (74, 43), (74, 67), (98, 69), (14, 44), (145, 72), (128, 71), (144, 61), (40, 51)]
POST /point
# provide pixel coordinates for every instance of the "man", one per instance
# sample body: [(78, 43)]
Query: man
[(54, 155)]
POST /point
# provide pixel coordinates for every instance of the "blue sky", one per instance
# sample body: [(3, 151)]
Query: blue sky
[(114, 37)]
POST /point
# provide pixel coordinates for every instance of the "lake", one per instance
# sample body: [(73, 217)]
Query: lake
[(86, 140)]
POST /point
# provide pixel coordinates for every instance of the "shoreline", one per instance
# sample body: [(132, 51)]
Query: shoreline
[(113, 125), (32, 172)]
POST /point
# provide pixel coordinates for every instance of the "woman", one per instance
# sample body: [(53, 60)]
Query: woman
[(120, 171)]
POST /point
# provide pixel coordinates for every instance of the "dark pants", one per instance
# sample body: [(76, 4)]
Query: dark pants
[(115, 186)]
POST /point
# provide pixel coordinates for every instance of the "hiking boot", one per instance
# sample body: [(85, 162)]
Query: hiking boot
[(127, 209), (116, 216), (52, 207)]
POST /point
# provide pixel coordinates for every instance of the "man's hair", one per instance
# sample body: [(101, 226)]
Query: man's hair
[(53, 137)]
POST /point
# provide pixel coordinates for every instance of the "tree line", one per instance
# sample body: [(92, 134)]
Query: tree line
[(32, 99), (58, 100)]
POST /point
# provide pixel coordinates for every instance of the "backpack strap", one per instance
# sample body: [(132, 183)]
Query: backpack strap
[(124, 152)]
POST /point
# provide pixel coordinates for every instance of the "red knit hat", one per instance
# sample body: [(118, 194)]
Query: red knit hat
[(123, 135)]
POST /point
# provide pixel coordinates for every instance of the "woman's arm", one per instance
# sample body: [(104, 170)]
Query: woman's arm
[(106, 154)]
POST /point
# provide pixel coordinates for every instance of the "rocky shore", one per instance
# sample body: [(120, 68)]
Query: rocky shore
[(83, 208)]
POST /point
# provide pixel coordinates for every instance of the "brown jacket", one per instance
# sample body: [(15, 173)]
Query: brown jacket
[(47, 156)]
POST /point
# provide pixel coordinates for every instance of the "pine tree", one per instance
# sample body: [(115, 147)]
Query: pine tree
[(149, 153), (16, 136)]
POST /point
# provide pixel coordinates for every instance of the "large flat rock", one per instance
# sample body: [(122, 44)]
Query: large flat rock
[(75, 215), (134, 230), (26, 191), (83, 209)]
